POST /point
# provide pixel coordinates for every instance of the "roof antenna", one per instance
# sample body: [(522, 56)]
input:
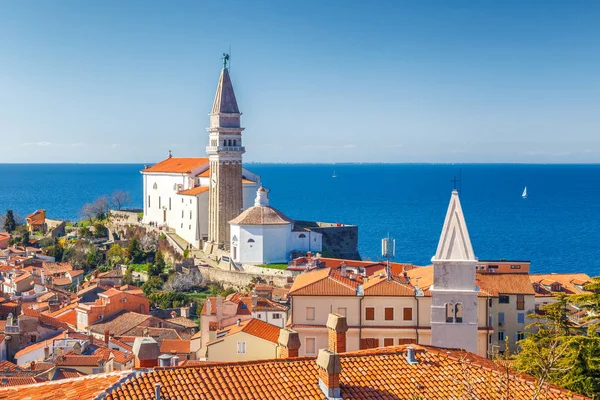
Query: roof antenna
[(457, 182), (388, 250)]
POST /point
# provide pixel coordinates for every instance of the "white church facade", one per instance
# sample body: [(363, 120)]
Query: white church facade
[(264, 235)]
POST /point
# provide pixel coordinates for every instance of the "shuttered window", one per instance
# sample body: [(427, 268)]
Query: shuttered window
[(389, 313), (388, 342), (370, 314), (520, 302), (369, 343), (310, 313), (407, 314)]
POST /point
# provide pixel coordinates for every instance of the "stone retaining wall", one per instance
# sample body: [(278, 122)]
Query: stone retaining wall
[(238, 280)]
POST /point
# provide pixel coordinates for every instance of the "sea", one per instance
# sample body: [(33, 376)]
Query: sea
[(557, 227)]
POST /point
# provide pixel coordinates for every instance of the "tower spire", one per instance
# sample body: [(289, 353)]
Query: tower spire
[(455, 243), (225, 102)]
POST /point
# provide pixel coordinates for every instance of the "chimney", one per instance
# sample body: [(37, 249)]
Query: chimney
[(146, 352), (164, 360), (289, 343), (337, 328), (91, 339), (219, 310), (173, 314), (32, 365), (106, 336), (157, 391), (254, 300), (185, 312), (175, 360), (208, 306), (343, 269), (410, 355), (330, 367)]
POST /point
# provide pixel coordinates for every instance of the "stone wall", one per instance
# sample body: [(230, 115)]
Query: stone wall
[(238, 280), (339, 241)]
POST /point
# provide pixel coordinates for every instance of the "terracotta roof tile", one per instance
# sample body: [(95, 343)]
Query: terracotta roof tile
[(177, 165), (254, 327), (569, 283), (261, 215), (324, 282), (7, 366), (174, 345), (378, 285), (8, 381), (79, 360), (84, 388), (40, 345), (194, 191), (505, 283)]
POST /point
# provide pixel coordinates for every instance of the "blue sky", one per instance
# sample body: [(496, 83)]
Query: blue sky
[(317, 81)]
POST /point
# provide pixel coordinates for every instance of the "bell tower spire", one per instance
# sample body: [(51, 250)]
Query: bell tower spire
[(454, 292), (225, 152)]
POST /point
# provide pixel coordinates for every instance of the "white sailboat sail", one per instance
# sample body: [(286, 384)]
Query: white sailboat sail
[(524, 192)]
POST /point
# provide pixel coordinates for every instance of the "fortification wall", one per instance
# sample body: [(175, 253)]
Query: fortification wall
[(339, 241), (237, 279)]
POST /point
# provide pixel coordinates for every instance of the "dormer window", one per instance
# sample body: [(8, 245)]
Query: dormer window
[(556, 287)]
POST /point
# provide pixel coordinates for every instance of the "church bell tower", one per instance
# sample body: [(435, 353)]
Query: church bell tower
[(454, 291), (225, 154)]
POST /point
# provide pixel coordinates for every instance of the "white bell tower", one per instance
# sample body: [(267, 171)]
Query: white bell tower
[(454, 293)]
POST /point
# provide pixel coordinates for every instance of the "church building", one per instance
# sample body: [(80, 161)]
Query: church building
[(198, 196), (264, 235)]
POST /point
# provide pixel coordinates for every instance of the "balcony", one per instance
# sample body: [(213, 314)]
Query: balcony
[(225, 149)]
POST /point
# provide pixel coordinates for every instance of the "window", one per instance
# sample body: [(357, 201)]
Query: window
[(389, 313), (123, 300), (555, 287), (342, 311), (458, 312), (310, 313), (503, 299), (276, 316), (169, 204), (310, 345), (250, 240), (520, 302), (490, 339), (515, 267), (449, 312), (407, 314), (100, 316), (190, 227), (519, 336), (369, 343), (520, 318), (241, 347), (501, 336), (500, 319), (148, 201), (370, 314), (155, 186), (190, 214), (490, 302), (491, 322), (158, 201), (181, 213), (302, 236), (388, 342)]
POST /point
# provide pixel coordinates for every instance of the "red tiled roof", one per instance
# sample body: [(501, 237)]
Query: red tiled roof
[(194, 191), (120, 343), (84, 388), (7, 366), (119, 356), (569, 283), (175, 345), (66, 373), (254, 327), (39, 345), (177, 165), (78, 360), (324, 282), (379, 285), (370, 374), (505, 283), (9, 381)]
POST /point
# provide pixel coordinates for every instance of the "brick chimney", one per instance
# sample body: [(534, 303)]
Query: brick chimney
[(337, 328), (106, 336), (289, 343), (329, 373)]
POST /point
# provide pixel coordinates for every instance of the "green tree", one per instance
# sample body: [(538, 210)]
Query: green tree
[(116, 255), (159, 265), (25, 237), (10, 224), (55, 250), (85, 232), (135, 252), (128, 276), (557, 352), (100, 230), (152, 285)]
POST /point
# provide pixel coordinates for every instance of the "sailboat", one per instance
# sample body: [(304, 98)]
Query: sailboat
[(524, 195), (334, 175)]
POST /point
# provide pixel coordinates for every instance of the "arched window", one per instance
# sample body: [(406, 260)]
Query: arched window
[(155, 186), (302, 236), (449, 312), (230, 142), (224, 142), (458, 312), (250, 240), (234, 142)]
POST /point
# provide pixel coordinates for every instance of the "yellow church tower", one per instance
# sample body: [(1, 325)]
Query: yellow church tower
[(225, 154)]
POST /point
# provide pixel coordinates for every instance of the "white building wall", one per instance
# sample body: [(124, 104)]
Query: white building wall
[(260, 244), (312, 241), (156, 199)]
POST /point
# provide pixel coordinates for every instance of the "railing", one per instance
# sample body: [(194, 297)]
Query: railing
[(233, 149), (11, 329)]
